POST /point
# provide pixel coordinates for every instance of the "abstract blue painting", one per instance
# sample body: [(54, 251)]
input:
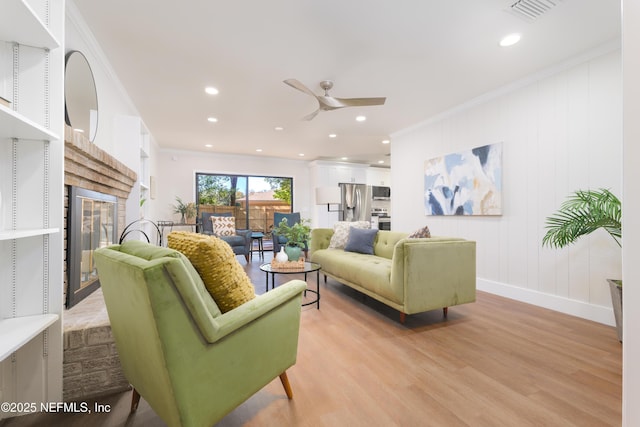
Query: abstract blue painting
[(465, 183)]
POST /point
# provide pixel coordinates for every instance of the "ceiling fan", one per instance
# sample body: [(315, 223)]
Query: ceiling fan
[(327, 102)]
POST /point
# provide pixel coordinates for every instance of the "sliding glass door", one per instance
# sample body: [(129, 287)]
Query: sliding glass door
[(252, 200)]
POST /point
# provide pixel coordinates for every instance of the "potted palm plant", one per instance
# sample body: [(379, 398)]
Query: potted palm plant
[(186, 210), (584, 212), (297, 236)]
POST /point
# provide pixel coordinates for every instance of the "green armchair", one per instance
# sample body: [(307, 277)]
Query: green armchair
[(192, 364)]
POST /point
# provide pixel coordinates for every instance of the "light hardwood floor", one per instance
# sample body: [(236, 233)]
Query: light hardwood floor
[(495, 362)]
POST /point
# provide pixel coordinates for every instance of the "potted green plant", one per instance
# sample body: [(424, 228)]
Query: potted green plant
[(584, 212), (186, 210), (297, 236)]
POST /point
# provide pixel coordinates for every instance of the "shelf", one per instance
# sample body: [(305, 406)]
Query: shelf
[(15, 125), (20, 234), (19, 23), (16, 332)]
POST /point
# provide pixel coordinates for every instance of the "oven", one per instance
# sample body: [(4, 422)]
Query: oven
[(384, 223)]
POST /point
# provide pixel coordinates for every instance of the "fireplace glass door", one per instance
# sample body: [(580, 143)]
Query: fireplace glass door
[(92, 225)]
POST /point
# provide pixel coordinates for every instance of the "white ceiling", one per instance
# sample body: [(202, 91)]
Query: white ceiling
[(425, 56)]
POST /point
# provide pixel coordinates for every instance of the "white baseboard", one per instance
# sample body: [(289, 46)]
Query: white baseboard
[(596, 313)]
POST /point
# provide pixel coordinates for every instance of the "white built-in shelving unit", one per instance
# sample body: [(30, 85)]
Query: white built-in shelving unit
[(143, 174), (131, 131), (31, 202)]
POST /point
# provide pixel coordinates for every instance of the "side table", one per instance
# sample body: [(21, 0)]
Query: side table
[(256, 235)]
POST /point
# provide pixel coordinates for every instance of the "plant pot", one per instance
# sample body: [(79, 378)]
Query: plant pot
[(615, 286), (293, 252)]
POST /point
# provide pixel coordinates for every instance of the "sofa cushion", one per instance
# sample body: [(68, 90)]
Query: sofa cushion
[(367, 271), (341, 232), (222, 274), (361, 240), (224, 225)]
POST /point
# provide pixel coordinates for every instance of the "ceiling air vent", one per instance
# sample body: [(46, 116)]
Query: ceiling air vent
[(530, 10)]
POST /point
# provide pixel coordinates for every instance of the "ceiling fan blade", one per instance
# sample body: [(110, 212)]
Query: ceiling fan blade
[(311, 116), (360, 102), (297, 85)]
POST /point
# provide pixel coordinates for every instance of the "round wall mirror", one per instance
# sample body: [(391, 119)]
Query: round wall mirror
[(80, 96)]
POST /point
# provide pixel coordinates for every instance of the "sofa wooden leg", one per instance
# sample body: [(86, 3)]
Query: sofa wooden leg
[(445, 311), (135, 400), (403, 317), (285, 383)]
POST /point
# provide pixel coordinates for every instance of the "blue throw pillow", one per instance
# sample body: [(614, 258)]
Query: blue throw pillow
[(361, 240)]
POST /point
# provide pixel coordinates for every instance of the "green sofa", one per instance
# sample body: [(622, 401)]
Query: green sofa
[(410, 275), (192, 364)]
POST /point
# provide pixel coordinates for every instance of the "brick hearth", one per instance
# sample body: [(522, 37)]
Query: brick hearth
[(91, 365)]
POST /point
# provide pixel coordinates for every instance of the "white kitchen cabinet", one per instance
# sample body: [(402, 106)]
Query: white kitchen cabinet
[(379, 176), (31, 200)]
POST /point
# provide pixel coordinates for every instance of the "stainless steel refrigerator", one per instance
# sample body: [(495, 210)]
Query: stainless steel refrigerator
[(356, 202)]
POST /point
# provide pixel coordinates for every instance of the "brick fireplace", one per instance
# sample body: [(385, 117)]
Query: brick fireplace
[(91, 366), (88, 167)]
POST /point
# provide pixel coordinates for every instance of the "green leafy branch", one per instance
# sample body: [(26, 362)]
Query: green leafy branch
[(582, 213)]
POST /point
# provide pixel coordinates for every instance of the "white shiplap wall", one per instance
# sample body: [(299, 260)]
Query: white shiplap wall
[(560, 132)]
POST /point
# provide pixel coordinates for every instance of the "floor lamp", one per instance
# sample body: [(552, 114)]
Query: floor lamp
[(328, 196)]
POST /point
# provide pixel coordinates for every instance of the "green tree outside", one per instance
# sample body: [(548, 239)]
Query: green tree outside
[(281, 188)]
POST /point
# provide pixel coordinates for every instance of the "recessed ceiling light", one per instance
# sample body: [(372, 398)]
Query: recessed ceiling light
[(380, 162), (211, 90), (212, 120), (385, 141), (344, 158), (332, 135), (208, 145), (301, 154), (510, 40), (278, 128), (361, 118), (259, 150)]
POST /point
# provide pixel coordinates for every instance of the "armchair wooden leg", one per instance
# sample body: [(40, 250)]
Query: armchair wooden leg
[(403, 317), (445, 311), (246, 256), (135, 399), (285, 383)]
